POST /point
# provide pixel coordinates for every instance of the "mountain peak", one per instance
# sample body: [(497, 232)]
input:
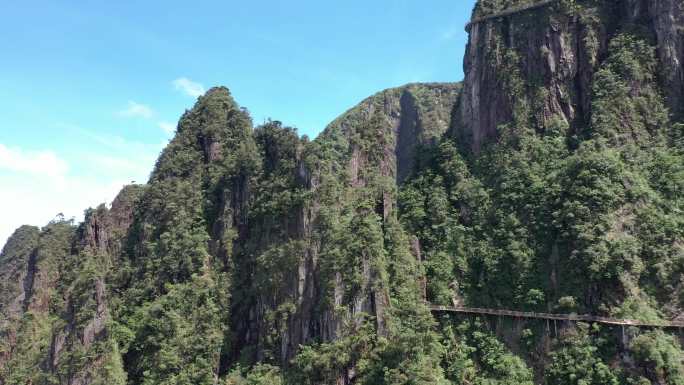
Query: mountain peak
[(214, 126), (216, 92)]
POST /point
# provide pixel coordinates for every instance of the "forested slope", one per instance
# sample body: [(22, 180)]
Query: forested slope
[(551, 179)]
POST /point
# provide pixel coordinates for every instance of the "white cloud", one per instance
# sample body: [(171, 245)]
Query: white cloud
[(168, 128), (118, 144), (118, 167), (34, 163), (36, 201), (37, 185), (137, 110), (188, 86), (120, 158)]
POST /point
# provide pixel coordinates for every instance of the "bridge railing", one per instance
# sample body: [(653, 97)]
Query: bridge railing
[(559, 317), (510, 11)]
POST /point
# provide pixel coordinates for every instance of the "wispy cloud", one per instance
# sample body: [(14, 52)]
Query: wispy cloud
[(35, 200), (189, 87), (137, 110), (39, 184), (116, 157), (121, 167), (36, 163), (168, 128)]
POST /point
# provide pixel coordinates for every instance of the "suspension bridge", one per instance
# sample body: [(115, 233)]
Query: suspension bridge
[(675, 324), (511, 11)]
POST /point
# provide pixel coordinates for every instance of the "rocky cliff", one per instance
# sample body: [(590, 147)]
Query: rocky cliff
[(538, 66), (58, 314)]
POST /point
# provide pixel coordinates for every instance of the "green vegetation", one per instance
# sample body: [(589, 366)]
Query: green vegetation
[(475, 356), (659, 357), (256, 256), (576, 360)]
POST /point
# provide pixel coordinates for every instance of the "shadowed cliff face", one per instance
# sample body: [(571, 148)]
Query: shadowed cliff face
[(537, 67), (414, 116), (327, 183), (17, 272), (31, 275), (104, 229), (59, 304), (548, 48), (284, 235), (667, 19)]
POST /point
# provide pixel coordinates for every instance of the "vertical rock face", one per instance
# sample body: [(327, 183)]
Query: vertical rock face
[(544, 59), (312, 294), (58, 307), (667, 18), (532, 44), (414, 116), (104, 229), (83, 327), (17, 272), (31, 275)]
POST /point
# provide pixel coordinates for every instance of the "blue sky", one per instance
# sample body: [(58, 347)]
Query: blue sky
[(91, 90)]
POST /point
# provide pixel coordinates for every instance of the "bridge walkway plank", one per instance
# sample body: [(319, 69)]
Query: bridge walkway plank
[(558, 317)]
